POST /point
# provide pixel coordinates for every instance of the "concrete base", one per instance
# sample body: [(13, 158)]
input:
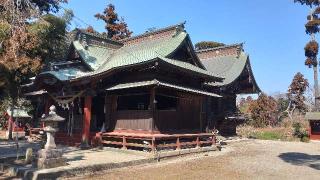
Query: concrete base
[(50, 158), (164, 154)]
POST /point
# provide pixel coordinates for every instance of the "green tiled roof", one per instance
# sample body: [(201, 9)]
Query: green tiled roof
[(103, 59), (65, 74), (158, 83), (94, 56), (189, 66), (142, 52), (228, 67), (137, 53)]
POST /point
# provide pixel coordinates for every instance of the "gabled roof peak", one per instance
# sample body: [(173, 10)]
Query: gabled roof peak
[(237, 45), (80, 33), (177, 27), (228, 50)]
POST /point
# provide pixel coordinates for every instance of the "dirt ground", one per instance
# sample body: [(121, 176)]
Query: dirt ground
[(248, 159)]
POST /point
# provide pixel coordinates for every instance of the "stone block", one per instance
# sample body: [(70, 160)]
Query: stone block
[(51, 163), (50, 153), (50, 158)]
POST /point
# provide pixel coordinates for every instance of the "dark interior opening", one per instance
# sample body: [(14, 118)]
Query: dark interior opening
[(315, 127), (98, 112), (133, 102), (166, 102)]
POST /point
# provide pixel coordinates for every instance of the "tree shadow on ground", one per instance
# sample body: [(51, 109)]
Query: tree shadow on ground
[(75, 158), (301, 159)]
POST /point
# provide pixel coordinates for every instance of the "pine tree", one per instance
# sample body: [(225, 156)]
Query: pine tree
[(116, 28), (312, 47), (296, 96)]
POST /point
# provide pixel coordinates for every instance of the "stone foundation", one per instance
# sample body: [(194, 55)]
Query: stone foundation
[(50, 158)]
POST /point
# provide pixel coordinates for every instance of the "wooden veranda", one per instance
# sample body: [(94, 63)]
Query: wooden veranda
[(156, 142)]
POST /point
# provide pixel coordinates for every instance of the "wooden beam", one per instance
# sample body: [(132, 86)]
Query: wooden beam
[(48, 103), (200, 116), (178, 145), (153, 107), (86, 121)]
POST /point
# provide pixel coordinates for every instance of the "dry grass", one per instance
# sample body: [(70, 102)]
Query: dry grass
[(286, 130)]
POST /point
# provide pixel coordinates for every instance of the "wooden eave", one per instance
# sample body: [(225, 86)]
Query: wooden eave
[(155, 62)]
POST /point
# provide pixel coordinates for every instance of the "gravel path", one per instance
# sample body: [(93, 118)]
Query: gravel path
[(248, 159)]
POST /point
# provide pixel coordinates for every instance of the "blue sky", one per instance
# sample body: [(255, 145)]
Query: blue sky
[(273, 30)]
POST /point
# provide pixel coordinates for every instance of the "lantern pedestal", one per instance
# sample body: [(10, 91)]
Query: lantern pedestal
[(50, 156)]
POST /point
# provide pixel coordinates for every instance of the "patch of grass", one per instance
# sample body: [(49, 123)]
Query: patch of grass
[(269, 135)]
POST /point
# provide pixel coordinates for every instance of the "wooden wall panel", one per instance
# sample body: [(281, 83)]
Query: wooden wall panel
[(167, 120), (186, 117), (133, 120)]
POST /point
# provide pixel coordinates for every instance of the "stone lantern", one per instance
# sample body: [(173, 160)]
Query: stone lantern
[(50, 156)]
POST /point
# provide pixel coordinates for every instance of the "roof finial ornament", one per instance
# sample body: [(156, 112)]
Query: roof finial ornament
[(84, 42), (239, 49), (180, 27), (52, 110)]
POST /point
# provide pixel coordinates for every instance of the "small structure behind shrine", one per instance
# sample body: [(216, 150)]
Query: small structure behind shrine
[(18, 118), (314, 123)]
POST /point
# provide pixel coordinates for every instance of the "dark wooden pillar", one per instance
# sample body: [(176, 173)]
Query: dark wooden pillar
[(48, 103), (86, 121), (153, 107), (200, 116), (108, 111)]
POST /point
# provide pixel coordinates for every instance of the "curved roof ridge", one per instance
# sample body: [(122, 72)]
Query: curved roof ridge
[(229, 67), (220, 47), (98, 35), (139, 53), (157, 31)]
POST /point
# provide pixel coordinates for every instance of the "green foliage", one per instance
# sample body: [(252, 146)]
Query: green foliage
[(207, 44), (52, 34), (300, 132)]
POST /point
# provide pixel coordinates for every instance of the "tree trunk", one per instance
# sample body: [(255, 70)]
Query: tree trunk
[(10, 128), (316, 87)]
